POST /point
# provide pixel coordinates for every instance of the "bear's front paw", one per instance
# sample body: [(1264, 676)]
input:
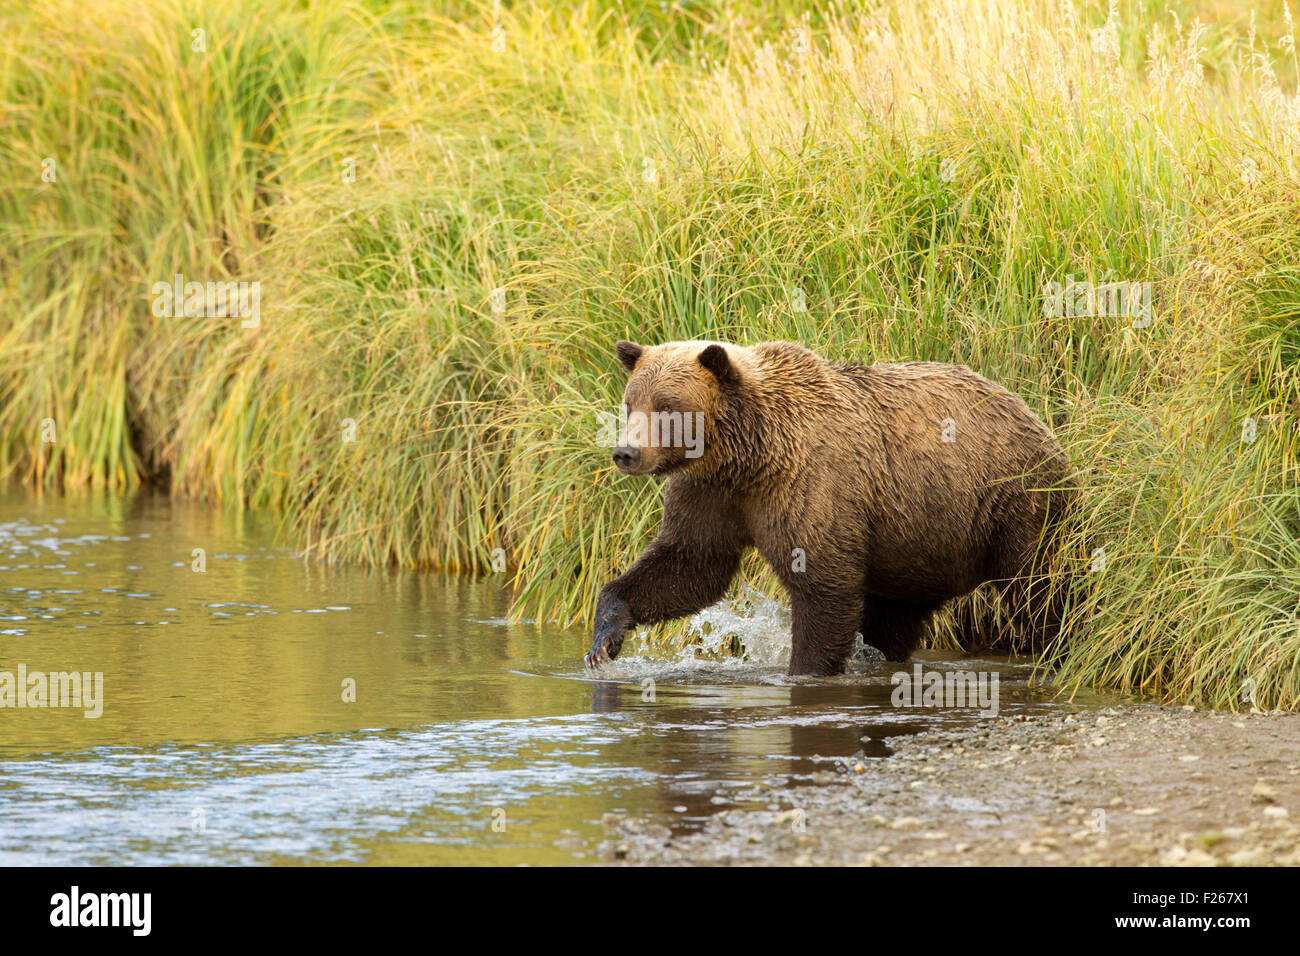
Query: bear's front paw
[(612, 622)]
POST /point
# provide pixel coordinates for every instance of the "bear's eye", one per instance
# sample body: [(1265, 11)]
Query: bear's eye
[(663, 407)]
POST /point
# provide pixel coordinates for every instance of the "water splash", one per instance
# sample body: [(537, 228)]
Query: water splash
[(760, 623)]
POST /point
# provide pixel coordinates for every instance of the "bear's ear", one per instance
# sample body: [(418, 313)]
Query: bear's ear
[(714, 358), (628, 353)]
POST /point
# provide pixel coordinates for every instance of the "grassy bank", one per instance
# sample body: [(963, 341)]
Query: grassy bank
[(451, 217)]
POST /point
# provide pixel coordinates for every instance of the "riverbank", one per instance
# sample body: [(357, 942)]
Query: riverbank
[(1132, 785)]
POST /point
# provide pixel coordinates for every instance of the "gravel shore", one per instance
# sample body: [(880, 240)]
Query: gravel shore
[(1128, 785)]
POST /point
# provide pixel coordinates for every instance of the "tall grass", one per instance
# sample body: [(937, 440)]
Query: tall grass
[(880, 181)]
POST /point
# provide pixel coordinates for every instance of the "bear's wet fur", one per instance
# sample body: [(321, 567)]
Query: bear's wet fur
[(876, 493)]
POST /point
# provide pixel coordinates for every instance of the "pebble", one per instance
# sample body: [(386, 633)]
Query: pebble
[(1263, 793)]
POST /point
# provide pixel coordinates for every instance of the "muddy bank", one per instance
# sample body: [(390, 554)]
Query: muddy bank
[(1132, 785)]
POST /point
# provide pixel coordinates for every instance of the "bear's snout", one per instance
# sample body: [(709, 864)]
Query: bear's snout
[(626, 457)]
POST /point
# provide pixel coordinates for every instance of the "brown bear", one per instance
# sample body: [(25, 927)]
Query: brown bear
[(876, 493)]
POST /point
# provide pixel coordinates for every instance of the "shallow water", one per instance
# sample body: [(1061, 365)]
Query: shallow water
[(225, 735)]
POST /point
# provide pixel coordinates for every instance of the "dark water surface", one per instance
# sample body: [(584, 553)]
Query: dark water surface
[(225, 736)]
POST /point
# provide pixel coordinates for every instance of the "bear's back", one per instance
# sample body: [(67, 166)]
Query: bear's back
[(913, 399), (911, 374)]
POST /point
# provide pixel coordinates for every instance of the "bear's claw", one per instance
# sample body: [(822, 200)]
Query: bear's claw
[(612, 620), (599, 654)]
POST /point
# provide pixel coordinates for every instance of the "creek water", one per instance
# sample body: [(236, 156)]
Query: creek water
[(268, 709)]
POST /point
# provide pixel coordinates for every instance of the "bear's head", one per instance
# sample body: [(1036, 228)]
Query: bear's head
[(672, 401)]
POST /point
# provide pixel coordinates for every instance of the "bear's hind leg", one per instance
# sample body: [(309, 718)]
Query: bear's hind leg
[(824, 626), (1019, 570), (894, 627), (1036, 607)]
